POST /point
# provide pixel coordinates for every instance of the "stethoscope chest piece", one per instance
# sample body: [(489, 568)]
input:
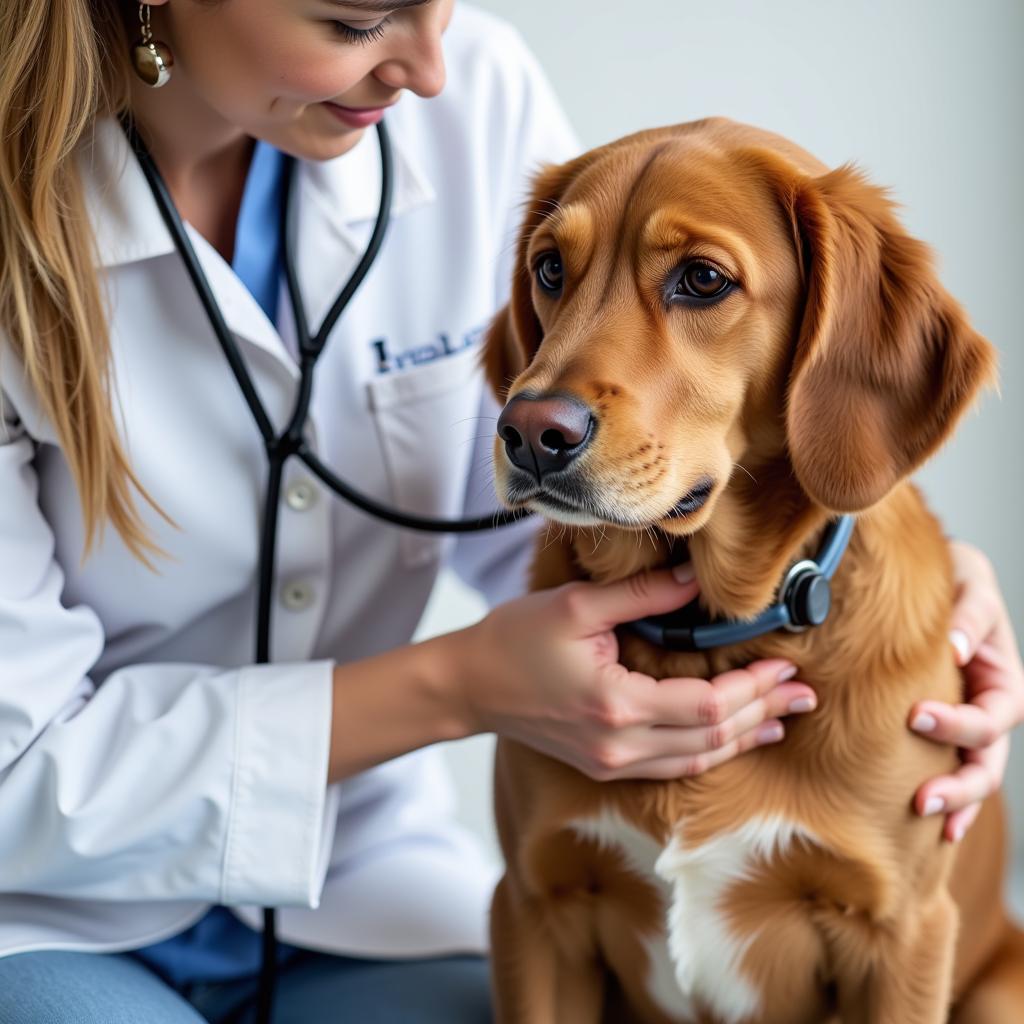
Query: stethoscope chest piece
[(807, 594)]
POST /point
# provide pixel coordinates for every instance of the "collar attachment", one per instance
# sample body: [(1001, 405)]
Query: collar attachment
[(805, 598)]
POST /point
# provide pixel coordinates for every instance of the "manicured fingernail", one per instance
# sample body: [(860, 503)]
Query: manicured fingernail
[(770, 732), (923, 722), (958, 638), (787, 673), (934, 804), (684, 573), (958, 831), (803, 704)]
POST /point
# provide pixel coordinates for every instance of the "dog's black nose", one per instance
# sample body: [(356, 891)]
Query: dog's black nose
[(544, 434)]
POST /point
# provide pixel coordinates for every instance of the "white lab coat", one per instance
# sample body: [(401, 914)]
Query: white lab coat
[(147, 768)]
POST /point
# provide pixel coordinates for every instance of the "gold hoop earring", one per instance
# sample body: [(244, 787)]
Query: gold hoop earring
[(152, 61)]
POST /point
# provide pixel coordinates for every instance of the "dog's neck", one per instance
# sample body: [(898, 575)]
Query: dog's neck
[(759, 528)]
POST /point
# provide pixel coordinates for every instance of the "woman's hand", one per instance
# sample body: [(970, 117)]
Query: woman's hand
[(984, 645), (544, 670)]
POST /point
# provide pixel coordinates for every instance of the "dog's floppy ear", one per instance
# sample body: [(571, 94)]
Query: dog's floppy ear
[(502, 357), (885, 361), (515, 332)]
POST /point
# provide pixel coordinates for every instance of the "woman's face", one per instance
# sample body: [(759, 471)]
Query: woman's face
[(292, 72)]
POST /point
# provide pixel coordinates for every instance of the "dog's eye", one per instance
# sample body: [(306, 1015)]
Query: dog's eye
[(701, 280), (549, 272)]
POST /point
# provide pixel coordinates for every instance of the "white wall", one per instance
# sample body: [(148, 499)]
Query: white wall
[(926, 95)]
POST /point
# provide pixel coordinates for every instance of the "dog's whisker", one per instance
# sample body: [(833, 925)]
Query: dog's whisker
[(649, 532), (480, 416), (745, 470), (473, 440)]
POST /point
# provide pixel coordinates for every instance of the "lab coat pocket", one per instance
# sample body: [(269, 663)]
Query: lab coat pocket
[(427, 419)]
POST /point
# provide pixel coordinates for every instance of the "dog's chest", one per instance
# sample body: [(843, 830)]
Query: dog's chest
[(697, 959)]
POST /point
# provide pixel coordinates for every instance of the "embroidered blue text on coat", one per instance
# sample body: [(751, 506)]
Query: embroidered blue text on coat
[(389, 361)]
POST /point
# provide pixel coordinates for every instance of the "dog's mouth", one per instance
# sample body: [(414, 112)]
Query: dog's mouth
[(694, 499), (576, 509), (577, 505)]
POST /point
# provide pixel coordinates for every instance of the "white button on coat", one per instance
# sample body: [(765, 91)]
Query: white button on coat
[(300, 496), (147, 768), (297, 597)]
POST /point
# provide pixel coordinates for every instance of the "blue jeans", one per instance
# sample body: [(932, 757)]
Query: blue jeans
[(56, 987)]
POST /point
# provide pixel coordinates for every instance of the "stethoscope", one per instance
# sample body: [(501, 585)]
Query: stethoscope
[(281, 446)]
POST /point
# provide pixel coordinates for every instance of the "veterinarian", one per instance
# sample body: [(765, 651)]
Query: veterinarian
[(151, 775)]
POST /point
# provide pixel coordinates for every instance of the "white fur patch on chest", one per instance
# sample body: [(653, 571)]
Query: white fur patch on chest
[(698, 956)]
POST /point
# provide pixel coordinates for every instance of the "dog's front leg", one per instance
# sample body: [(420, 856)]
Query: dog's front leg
[(911, 980), (533, 981)]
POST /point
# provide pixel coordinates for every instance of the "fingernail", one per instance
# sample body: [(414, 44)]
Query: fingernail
[(787, 673), (770, 732), (684, 573), (958, 638), (933, 805), (803, 704), (923, 722), (958, 831)]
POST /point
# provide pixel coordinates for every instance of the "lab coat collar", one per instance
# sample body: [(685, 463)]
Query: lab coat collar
[(128, 227), (335, 200), (339, 202), (348, 187)]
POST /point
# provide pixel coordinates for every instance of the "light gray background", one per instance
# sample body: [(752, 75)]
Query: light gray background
[(927, 96)]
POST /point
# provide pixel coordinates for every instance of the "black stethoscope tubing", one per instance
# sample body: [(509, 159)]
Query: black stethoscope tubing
[(310, 347), (291, 441)]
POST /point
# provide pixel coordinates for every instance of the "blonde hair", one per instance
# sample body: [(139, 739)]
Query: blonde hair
[(62, 65)]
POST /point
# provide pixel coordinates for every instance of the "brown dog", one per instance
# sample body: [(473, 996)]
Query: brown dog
[(715, 342)]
